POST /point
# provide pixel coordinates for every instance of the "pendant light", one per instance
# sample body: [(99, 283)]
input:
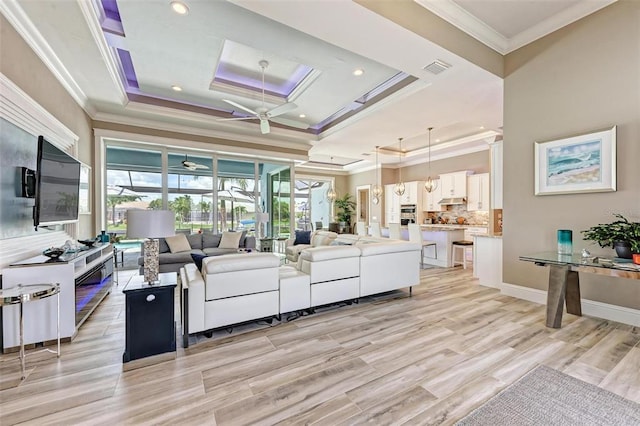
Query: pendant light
[(399, 188), (331, 192), (376, 191), (430, 184)]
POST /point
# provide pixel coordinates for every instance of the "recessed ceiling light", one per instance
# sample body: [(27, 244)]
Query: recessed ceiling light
[(302, 116), (481, 127), (358, 72), (179, 7), (176, 88), (437, 140)]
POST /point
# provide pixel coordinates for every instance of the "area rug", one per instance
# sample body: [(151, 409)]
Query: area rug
[(548, 397)]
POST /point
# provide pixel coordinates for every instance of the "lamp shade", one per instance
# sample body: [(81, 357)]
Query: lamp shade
[(150, 223)]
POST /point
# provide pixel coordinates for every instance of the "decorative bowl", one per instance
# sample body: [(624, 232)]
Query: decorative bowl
[(88, 243), (54, 252)]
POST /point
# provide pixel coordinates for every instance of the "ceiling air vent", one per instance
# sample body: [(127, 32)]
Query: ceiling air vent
[(436, 67)]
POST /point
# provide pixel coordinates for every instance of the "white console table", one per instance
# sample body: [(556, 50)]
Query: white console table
[(40, 317)]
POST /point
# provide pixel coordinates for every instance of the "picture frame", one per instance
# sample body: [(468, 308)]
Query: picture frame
[(576, 164)]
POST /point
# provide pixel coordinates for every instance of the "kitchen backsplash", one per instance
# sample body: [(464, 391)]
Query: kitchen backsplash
[(456, 211)]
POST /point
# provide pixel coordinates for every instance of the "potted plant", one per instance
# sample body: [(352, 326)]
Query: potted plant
[(622, 234), (346, 208)]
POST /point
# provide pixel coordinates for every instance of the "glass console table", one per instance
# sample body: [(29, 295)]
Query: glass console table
[(564, 282)]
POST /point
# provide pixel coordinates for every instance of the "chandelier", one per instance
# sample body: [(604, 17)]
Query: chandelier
[(399, 187), (376, 191), (430, 185), (331, 192)]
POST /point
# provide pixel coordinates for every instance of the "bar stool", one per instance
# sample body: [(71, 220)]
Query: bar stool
[(394, 231), (463, 246), (415, 236)]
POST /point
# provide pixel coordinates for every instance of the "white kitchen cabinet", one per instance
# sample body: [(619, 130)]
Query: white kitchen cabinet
[(496, 175), (471, 231), (478, 192), (432, 198), (412, 193), (391, 205), (454, 185), (487, 262)]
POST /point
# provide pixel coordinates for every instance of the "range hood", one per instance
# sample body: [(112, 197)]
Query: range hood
[(451, 201)]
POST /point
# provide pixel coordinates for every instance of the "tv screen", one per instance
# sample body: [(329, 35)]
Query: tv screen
[(57, 185)]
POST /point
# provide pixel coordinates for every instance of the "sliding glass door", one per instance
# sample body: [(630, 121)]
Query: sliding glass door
[(206, 193)]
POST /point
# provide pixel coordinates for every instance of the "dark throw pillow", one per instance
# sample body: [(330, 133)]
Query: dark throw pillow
[(302, 237), (197, 259)]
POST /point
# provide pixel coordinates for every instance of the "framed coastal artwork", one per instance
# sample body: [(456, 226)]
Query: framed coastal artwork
[(583, 163)]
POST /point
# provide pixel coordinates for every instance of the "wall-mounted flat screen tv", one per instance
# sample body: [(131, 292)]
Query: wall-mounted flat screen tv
[(57, 186)]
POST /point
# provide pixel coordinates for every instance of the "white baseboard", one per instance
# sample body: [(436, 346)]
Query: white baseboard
[(589, 307)]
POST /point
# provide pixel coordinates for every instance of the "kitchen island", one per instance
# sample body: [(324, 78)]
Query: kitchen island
[(443, 235)]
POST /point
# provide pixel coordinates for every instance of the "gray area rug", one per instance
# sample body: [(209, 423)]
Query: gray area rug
[(545, 396)]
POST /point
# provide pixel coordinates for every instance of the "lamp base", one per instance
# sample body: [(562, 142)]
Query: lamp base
[(151, 260)]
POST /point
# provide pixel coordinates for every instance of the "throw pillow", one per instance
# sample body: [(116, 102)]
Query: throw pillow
[(210, 240), (164, 247), (197, 259), (302, 237), (178, 243), (230, 240)]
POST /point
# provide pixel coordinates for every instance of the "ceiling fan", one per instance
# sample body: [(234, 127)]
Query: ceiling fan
[(190, 165), (264, 114)]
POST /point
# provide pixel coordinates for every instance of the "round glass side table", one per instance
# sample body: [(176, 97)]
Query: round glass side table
[(24, 293)]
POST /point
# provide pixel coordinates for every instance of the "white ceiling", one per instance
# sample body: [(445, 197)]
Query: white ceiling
[(463, 104)]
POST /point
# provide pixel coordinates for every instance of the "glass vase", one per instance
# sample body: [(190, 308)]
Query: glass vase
[(565, 241)]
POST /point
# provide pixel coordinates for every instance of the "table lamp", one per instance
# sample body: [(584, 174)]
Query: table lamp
[(151, 225)]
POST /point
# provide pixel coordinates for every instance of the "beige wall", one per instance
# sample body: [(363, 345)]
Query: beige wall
[(23, 67), (581, 78)]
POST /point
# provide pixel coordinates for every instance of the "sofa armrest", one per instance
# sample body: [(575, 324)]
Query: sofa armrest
[(193, 298), (250, 242)]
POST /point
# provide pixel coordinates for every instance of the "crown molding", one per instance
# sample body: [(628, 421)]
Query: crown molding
[(468, 23), (23, 25), (220, 149), (92, 19), (478, 29), (301, 144), (557, 21), (19, 108)]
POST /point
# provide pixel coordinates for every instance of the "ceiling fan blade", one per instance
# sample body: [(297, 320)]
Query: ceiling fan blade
[(281, 109), (264, 126), (236, 118), (291, 123), (237, 105), (201, 166)]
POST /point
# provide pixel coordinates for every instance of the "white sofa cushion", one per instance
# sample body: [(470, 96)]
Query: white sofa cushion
[(240, 274), (373, 249), (239, 262), (322, 238), (330, 263), (319, 254)]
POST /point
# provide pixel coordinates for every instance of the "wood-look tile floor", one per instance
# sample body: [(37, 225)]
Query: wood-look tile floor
[(428, 359)]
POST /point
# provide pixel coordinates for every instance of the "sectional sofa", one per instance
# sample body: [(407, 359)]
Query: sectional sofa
[(243, 287), (205, 244)]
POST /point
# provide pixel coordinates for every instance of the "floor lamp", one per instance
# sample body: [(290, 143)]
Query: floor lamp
[(151, 225)]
